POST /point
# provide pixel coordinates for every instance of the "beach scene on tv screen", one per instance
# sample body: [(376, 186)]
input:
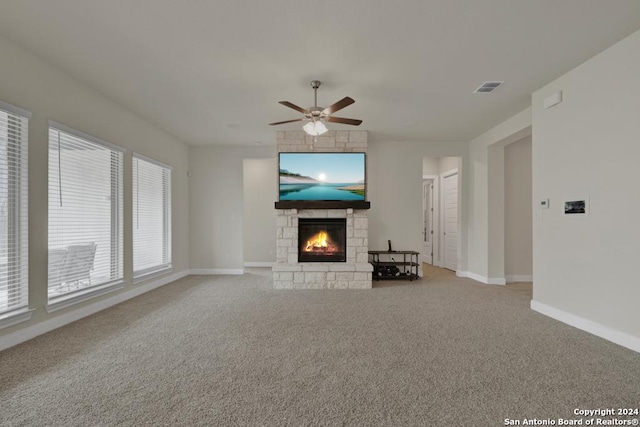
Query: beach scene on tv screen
[(322, 176)]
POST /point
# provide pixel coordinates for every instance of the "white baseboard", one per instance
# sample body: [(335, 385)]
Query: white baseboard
[(621, 338), (482, 279), (215, 271), (519, 278), (48, 325), (258, 264), (478, 278)]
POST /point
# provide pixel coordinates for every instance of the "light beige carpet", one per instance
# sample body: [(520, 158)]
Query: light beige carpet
[(231, 351)]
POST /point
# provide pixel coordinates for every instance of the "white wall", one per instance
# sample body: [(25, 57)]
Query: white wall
[(518, 245), (589, 145), (495, 212), (217, 201), (260, 188), (439, 165), (448, 163), (430, 166), (50, 94), (395, 191), (217, 206), (485, 208)]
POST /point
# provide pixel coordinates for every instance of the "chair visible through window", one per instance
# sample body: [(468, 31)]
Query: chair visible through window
[(56, 266), (71, 267)]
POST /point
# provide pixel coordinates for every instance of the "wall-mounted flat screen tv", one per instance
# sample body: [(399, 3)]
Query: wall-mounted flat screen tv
[(322, 176)]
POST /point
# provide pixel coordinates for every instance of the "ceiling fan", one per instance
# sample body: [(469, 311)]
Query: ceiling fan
[(317, 115)]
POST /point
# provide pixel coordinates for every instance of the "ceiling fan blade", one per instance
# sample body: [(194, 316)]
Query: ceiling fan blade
[(343, 120), (286, 121), (344, 102), (294, 106)]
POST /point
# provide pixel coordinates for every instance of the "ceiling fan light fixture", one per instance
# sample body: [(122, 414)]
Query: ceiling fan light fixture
[(315, 128)]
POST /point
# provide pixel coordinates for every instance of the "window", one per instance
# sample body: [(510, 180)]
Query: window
[(85, 214), (14, 266), (151, 216)]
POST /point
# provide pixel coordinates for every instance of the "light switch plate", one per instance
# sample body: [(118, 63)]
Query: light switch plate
[(544, 204)]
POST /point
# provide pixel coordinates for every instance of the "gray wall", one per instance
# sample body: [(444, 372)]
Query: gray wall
[(438, 165), (518, 245), (217, 206), (445, 164), (50, 94), (260, 187), (395, 191), (430, 166), (218, 227), (589, 146)]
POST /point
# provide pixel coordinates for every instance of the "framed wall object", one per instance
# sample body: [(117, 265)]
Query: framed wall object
[(576, 207)]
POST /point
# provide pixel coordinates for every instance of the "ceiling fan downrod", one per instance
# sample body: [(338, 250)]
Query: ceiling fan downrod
[(315, 84)]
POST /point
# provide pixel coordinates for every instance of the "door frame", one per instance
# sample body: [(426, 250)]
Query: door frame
[(441, 248), (435, 217)]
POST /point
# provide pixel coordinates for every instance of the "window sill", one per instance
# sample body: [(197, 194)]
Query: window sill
[(15, 317), (65, 301), (141, 277)]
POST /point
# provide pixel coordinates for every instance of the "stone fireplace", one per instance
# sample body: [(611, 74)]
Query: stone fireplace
[(306, 258)]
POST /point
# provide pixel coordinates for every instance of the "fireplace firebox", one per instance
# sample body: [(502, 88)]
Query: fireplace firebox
[(322, 240)]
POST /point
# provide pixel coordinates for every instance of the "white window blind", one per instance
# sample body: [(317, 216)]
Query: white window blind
[(151, 216), (14, 266), (85, 212)]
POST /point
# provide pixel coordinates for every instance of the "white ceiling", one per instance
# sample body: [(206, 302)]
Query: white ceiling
[(212, 71)]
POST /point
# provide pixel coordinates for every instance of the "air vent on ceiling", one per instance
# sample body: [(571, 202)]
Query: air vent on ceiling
[(488, 87)]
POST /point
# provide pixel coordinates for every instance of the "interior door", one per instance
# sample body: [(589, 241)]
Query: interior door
[(450, 234), (427, 221)]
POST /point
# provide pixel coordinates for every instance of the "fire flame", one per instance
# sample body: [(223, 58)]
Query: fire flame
[(318, 241)]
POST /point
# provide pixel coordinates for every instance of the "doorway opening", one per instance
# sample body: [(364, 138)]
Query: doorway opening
[(440, 211)]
